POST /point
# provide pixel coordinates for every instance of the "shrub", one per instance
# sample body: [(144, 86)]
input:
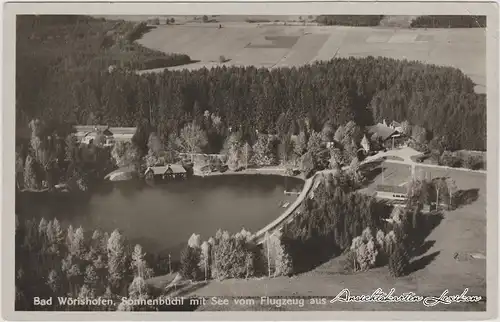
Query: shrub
[(434, 156), (420, 147), (365, 249), (350, 263), (366, 255), (450, 159), (473, 162)]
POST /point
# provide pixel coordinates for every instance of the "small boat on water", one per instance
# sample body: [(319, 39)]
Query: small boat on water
[(285, 205)]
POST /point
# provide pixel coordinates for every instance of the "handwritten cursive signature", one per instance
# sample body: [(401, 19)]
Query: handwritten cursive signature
[(448, 299), (379, 296)]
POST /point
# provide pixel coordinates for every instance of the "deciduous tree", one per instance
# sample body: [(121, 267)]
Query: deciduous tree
[(192, 138)]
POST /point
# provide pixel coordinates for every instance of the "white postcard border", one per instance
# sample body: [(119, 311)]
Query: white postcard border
[(490, 9)]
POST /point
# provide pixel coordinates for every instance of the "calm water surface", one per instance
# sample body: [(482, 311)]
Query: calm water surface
[(163, 217)]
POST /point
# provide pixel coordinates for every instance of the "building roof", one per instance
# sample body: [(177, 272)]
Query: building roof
[(393, 189), (113, 130), (395, 124), (107, 132), (158, 170), (384, 132)]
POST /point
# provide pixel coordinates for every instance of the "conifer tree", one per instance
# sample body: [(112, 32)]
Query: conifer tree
[(54, 282), (91, 279), (58, 233), (205, 258), (78, 248), (69, 237), (138, 290), (116, 260), (398, 260), (282, 259), (86, 293), (31, 179), (139, 265), (190, 258), (301, 145), (42, 227)]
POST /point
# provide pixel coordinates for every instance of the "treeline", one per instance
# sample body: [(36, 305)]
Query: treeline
[(53, 261), (169, 60), (449, 22), (52, 49), (439, 99), (350, 20)]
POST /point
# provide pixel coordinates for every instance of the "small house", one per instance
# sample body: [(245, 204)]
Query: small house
[(166, 172), (385, 135), (396, 126), (90, 136), (391, 192), (87, 134)]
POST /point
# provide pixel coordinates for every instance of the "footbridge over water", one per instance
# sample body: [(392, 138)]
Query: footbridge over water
[(288, 215)]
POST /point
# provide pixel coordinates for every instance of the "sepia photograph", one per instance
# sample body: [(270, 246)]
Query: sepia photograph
[(240, 162)]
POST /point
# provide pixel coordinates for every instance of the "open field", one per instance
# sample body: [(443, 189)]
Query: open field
[(276, 45)]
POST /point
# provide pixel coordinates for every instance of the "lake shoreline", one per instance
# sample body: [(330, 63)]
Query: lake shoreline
[(253, 171)]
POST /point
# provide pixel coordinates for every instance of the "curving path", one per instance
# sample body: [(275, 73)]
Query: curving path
[(404, 153), (278, 222)]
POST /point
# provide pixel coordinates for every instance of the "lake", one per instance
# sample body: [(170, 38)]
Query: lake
[(162, 217)]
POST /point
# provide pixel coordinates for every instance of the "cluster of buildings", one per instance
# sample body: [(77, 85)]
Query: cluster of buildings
[(88, 133), (389, 136)]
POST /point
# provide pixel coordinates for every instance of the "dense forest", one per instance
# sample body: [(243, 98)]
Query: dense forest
[(51, 50), (366, 90), (63, 72), (349, 20), (439, 99), (449, 22)]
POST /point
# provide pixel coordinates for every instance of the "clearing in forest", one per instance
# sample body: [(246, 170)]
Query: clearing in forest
[(274, 45)]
